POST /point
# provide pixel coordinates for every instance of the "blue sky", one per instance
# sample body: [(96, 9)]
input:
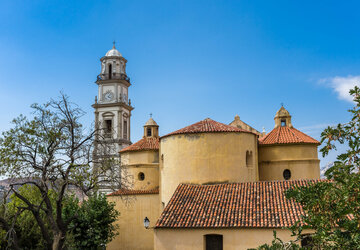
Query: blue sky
[(188, 60)]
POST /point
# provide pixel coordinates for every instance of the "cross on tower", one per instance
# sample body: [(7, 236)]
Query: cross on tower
[(150, 115)]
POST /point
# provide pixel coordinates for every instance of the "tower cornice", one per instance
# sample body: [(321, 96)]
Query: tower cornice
[(109, 81), (112, 57), (112, 104)]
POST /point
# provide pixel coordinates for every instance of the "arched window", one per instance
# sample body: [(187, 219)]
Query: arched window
[(213, 242), (287, 174), (141, 176), (283, 123), (110, 70), (148, 131), (249, 159)]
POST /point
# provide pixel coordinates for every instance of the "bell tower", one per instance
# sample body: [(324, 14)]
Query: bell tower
[(112, 105), (283, 118)]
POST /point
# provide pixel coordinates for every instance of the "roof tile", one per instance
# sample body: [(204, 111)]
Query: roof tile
[(147, 143), (286, 135), (256, 204), (207, 126)]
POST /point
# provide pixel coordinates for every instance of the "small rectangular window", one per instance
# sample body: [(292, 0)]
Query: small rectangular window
[(213, 242), (108, 126), (306, 241), (283, 123), (148, 132), (125, 129)]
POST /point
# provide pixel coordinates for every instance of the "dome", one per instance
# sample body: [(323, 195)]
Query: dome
[(282, 112), (207, 126), (113, 52), (151, 122)]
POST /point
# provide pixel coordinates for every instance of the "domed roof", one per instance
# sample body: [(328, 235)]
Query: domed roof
[(282, 112), (207, 126), (151, 122), (113, 52), (148, 143), (286, 135)]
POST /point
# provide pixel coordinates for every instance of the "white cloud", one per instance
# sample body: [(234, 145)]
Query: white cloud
[(316, 126), (342, 85), (315, 129)]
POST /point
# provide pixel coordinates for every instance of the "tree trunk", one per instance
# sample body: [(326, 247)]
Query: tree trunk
[(58, 242), (14, 238)]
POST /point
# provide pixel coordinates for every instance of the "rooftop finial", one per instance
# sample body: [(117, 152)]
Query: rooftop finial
[(282, 104), (150, 115), (114, 44)]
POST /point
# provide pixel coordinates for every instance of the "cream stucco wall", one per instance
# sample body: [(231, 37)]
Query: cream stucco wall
[(301, 159), (133, 210), (139, 157), (193, 239), (206, 158), (136, 162)]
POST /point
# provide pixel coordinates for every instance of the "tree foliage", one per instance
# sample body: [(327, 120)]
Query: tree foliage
[(332, 207), (93, 227), (28, 232), (53, 151)]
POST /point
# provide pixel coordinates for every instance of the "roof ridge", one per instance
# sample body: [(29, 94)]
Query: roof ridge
[(207, 126), (291, 130), (277, 139)]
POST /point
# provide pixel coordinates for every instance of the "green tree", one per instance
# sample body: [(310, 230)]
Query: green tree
[(93, 226), (332, 207), (29, 234), (56, 151)]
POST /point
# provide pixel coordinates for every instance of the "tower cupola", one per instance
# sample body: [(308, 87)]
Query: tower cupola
[(113, 52), (151, 129), (283, 118), (113, 65)]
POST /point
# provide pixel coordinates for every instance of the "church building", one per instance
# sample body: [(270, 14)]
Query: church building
[(209, 185)]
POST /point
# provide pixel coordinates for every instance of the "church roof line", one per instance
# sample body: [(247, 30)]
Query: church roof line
[(113, 52), (207, 126), (151, 122), (124, 191), (251, 205), (147, 143), (286, 135)]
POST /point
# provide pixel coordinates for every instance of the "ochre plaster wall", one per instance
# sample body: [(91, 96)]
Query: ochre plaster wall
[(133, 210), (139, 157), (193, 239), (151, 173), (206, 158), (136, 162), (301, 159)]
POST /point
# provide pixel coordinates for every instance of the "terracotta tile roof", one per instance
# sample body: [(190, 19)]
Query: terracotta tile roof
[(147, 143), (133, 192), (255, 204), (284, 135), (207, 126)]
